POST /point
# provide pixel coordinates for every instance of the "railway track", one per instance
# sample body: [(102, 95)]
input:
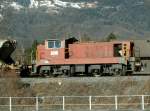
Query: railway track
[(96, 76), (90, 79)]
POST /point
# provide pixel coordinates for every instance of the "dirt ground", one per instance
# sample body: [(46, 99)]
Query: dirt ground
[(132, 85), (77, 86)]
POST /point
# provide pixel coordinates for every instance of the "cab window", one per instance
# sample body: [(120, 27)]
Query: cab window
[(54, 44), (118, 50), (57, 44), (51, 44)]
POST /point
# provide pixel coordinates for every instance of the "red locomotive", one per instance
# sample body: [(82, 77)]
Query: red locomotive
[(70, 57)]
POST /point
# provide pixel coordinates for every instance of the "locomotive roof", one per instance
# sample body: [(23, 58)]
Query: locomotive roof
[(51, 39), (72, 38), (77, 41), (121, 41)]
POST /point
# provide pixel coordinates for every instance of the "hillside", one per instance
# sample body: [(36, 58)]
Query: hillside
[(39, 19), (46, 88)]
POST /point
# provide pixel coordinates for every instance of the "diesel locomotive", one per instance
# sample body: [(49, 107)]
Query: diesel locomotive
[(70, 57)]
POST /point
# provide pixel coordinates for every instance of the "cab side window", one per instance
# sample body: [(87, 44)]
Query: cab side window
[(57, 44), (117, 50), (51, 44), (54, 44)]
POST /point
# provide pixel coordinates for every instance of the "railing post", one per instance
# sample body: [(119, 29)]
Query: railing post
[(63, 102), (143, 107), (10, 104), (90, 102), (116, 102), (37, 104)]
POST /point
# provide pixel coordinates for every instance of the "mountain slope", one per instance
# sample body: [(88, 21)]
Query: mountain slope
[(39, 19)]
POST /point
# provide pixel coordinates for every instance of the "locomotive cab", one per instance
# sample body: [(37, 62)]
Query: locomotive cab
[(60, 47), (125, 51), (51, 55)]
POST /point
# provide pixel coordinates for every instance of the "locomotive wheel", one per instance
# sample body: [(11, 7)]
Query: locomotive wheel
[(96, 73), (65, 73), (72, 71), (123, 71), (118, 72)]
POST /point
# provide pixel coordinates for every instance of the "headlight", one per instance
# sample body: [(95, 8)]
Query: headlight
[(46, 61)]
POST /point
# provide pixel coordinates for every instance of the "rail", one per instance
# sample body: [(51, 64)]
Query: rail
[(116, 102)]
